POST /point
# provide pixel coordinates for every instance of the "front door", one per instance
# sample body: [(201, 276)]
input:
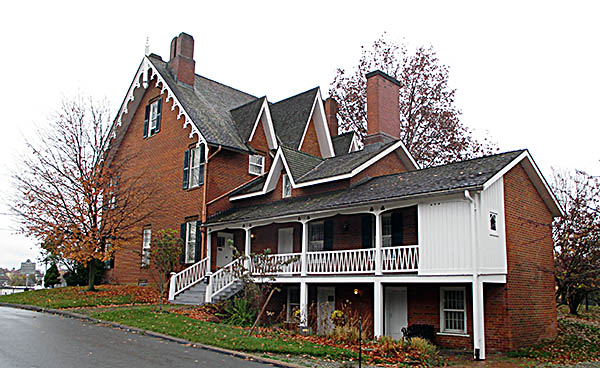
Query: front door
[(396, 311), (325, 306), (285, 240), (224, 249)]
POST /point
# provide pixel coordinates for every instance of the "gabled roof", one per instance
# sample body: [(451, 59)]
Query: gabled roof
[(245, 117), (208, 104), (455, 177), (300, 162), (291, 115), (342, 143)]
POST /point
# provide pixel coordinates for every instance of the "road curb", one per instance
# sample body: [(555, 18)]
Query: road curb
[(237, 354)]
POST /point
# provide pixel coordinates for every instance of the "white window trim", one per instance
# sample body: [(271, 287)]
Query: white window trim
[(153, 118), (188, 226), (492, 231), (289, 306), (311, 248), (286, 186), (146, 242), (443, 329), (253, 165)]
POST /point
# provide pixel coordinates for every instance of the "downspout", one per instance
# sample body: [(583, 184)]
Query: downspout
[(204, 212), (478, 341)]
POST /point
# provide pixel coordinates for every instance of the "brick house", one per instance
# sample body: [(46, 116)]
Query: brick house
[(465, 247)]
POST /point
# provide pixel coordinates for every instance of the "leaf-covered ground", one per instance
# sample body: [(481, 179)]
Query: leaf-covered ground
[(74, 297)]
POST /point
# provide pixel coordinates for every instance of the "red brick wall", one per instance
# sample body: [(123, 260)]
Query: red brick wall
[(266, 237), (311, 143), (531, 306), (160, 156), (390, 164), (383, 111)]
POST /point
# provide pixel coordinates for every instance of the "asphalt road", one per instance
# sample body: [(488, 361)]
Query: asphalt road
[(31, 339)]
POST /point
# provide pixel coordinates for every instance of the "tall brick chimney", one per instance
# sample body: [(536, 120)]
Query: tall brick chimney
[(182, 63), (383, 110), (331, 109)]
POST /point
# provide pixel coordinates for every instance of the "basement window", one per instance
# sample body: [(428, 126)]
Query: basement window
[(453, 310), (256, 165)]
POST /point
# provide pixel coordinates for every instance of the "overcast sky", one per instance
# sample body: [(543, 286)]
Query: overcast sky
[(526, 72)]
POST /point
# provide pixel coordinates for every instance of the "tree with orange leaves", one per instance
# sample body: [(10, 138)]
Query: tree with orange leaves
[(68, 197)]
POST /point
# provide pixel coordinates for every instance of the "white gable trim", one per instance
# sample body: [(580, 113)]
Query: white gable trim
[(537, 179), (141, 81), (354, 145), (269, 129), (323, 135)]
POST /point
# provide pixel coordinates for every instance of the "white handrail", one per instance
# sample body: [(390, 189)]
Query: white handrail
[(277, 264), (187, 278), (346, 261), (224, 277), (400, 259)]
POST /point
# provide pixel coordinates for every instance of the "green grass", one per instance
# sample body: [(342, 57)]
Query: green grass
[(70, 297), (215, 334)]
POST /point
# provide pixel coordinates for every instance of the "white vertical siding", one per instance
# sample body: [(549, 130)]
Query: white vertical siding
[(492, 246), (444, 238)]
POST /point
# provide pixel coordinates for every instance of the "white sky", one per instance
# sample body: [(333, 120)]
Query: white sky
[(527, 72)]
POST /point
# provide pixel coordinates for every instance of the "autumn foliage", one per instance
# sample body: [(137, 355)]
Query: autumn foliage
[(430, 122)]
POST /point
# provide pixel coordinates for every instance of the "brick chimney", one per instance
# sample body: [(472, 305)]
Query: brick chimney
[(383, 110), (182, 63), (331, 109)]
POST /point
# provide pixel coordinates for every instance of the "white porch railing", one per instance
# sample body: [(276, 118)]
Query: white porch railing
[(224, 277), (277, 264), (187, 278), (400, 259), (341, 261)]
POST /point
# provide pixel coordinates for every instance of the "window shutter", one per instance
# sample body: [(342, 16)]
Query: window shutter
[(146, 117), (367, 231), (198, 252), (328, 235), (182, 236), (158, 116), (186, 169), (397, 228)]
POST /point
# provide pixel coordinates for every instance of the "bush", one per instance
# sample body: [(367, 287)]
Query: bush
[(239, 312), (405, 350), (423, 331), (51, 276)]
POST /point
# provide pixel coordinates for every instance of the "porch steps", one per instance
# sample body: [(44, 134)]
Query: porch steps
[(196, 295)]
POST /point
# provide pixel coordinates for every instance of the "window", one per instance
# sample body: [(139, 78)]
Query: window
[(453, 311), (493, 223), (190, 241), (256, 165), (147, 235), (316, 231), (152, 118), (286, 191), (293, 302), (193, 167), (386, 230)]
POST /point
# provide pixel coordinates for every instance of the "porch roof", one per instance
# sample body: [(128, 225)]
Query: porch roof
[(469, 174)]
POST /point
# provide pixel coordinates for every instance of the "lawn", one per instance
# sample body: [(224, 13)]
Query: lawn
[(215, 334), (73, 297)]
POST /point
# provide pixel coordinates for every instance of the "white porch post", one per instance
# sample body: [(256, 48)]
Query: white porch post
[(378, 309), (478, 322), (378, 241), (172, 286), (303, 303), (209, 250), (303, 256), (247, 248)]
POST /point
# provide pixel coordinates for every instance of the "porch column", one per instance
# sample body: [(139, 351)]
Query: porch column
[(209, 250), (303, 256), (247, 248), (378, 241), (303, 304), (478, 321), (378, 309)]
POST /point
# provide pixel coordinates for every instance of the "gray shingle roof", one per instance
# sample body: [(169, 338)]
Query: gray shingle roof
[(452, 177), (341, 143), (245, 116), (299, 162), (291, 115), (209, 104)]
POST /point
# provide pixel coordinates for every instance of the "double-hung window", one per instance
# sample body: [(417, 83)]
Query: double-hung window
[(316, 231), (147, 237), (193, 167), (256, 164), (493, 223), (286, 190), (453, 310), (190, 241), (152, 118), (386, 230)]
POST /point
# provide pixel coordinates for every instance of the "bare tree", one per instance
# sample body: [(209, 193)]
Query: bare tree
[(430, 122), (77, 206), (577, 237)]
